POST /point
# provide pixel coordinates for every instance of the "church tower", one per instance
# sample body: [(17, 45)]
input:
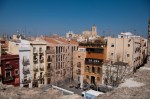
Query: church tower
[(94, 30)]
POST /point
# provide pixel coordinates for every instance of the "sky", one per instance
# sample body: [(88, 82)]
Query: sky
[(45, 17)]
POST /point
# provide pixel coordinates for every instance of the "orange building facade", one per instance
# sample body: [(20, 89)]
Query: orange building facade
[(93, 57)]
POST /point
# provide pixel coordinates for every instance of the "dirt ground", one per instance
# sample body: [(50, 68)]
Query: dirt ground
[(36, 93), (141, 89)]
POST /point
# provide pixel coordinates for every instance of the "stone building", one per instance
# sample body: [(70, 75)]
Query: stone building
[(38, 62), (59, 59), (88, 61)]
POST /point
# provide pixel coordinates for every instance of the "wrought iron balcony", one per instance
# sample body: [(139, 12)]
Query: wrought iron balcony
[(35, 52), (78, 72), (41, 67), (35, 68), (49, 60), (48, 74), (26, 81), (25, 62), (8, 78), (42, 59), (35, 60), (41, 51), (79, 65), (40, 78), (26, 70), (8, 67)]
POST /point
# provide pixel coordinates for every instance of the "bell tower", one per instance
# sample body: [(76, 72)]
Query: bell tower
[(94, 30)]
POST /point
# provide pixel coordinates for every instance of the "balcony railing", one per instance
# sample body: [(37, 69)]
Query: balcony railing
[(40, 78), (35, 60), (49, 60), (42, 60), (26, 81), (50, 51), (25, 62), (41, 67), (9, 78), (8, 67), (41, 51), (26, 70), (35, 68), (78, 72), (79, 65), (48, 74), (35, 52)]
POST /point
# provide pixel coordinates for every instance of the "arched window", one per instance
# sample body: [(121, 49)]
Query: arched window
[(98, 70), (93, 69), (87, 69)]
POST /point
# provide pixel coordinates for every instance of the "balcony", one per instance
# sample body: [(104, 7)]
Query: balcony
[(49, 60), (78, 72), (41, 78), (26, 70), (41, 67), (42, 59), (41, 51), (26, 81), (35, 60), (35, 52), (8, 67), (50, 51), (48, 74), (9, 78), (25, 62), (79, 65), (89, 61), (35, 68)]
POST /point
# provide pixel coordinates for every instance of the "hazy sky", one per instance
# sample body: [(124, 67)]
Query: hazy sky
[(37, 17)]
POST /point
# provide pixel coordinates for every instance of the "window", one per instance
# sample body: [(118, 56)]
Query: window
[(8, 73), (128, 55), (34, 75), (16, 72), (87, 69), (112, 54), (79, 64), (87, 76), (98, 70), (128, 45), (112, 45), (78, 78), (93, 69)]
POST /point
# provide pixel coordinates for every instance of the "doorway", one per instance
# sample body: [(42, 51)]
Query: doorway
[(92, 80)]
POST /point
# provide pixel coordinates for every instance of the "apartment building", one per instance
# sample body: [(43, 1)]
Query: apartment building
[(37, 62), (125, 49), (88, 61), (59, 59), (22, 48), (10, 69), (24, 63)]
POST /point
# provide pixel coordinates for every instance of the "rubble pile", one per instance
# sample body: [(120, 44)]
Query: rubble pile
[(142, 76)]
